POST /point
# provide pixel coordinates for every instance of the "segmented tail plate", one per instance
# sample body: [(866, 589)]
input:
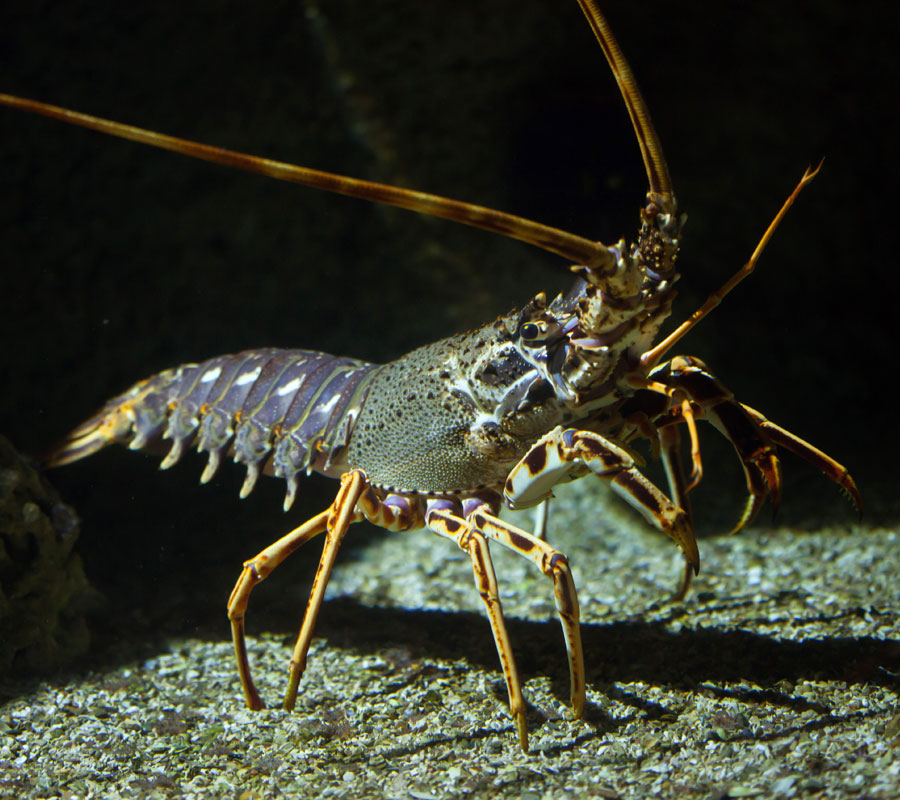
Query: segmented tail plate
[(114, 423), (285, 411)]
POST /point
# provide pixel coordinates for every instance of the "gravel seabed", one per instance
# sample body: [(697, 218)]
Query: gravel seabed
[(777, 677)]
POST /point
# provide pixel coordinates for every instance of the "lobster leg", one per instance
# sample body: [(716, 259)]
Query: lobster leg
[(340, 516), (255, 570), (799, 447), (552, 458), (472, 541), (753, 437), (670, 453), (355, 500), (759, 459), (555, 566), (695, 393), (542, 520)]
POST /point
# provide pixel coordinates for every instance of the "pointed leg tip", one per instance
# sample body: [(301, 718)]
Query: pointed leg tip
[(849, 487), (683, 534), (522, 729), (254, 701), (692, 556), (578, 706), (290, 696)]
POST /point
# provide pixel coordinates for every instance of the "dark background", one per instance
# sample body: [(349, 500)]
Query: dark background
[(118, 261)]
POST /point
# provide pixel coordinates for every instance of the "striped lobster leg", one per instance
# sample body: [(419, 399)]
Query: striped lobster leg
[(808, 452), (356, 500), (670, 453), (471, 540), (255, 570), (471, 530), (665, 444), (695, 392), (555, 565), (558, 455)]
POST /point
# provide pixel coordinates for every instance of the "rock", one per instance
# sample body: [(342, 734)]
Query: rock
[(44, 593)]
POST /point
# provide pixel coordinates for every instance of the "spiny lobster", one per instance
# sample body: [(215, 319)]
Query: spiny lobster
[(445, 435)]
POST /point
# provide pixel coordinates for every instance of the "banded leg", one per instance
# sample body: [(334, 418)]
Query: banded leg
[(686, 414), (670, 453), (555, 565), (340, 516), (758, 456), (643, 413), (355, 500), (753, 437), (472, 541), (255, 570), (821, 461), (552, 458), (686, 376)]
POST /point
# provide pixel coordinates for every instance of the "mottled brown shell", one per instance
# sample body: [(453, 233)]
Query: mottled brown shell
[(430, 421)]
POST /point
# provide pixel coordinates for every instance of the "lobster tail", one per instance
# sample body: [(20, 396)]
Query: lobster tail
[(134, 417), (281, 411), (89, 437)]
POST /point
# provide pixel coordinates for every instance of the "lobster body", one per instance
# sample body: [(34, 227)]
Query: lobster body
[(443, 436), (449, 418)]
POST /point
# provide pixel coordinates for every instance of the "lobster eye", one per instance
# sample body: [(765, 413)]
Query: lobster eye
[(530, 330)]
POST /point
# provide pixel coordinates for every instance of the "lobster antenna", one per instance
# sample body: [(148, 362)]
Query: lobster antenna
[(651, 150), (651, 357), (568, 245)]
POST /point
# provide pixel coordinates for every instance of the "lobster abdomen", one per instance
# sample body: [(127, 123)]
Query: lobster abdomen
[(285, 411)]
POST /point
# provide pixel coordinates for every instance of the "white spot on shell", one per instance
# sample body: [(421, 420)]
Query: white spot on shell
[(247, 377), (211, 374), (290, 387), (329, 404)]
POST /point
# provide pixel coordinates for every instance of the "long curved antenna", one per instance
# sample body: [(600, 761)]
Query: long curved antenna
[(652, 357), (651, 150), (568, 245)]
